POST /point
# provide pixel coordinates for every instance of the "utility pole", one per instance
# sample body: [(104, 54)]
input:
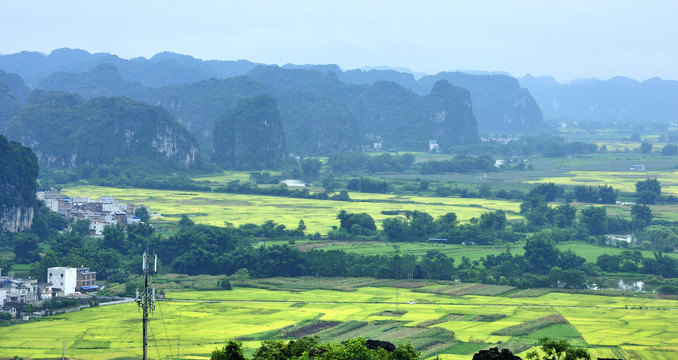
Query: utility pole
[(147, 299)]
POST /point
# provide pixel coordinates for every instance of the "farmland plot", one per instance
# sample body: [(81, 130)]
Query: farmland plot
[(437, 322)]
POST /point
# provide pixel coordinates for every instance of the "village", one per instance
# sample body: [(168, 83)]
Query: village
[(101, 212), (67, 288)]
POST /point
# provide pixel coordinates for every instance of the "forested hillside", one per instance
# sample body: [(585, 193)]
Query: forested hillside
[(499, 103), (250, 136), (200, 104), (65, 131), (320, 114), (103, 80), (389, 114), (18, 174)]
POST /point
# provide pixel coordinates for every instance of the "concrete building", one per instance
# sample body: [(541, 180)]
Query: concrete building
[(86, 280), (63, 279)]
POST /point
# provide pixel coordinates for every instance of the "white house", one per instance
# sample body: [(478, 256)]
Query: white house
[(62, 279), (52, 204), (3, 295), (113, 207), (433, 145), (98, 226)]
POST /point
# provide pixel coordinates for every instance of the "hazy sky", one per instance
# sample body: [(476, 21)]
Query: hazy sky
[(567, 39)]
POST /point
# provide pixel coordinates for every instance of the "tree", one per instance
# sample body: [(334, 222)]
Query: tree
[(26, 248), (646, 147), (310, 168), (114, 237), (224, 284), (437, 265), (606, 195), (421, 225), (231, 351), (185, 221), (670, 150), (569, 279), (396, 229), (356, 223), (661, 237), (39, 270), (647, 197), (301, 227), (81, 227), (559, 350), (641, 216), (540, 253), (550, 191), (272, 350), (595, 219), (142, 213), (564, 215), (651, 185), (493, 220), (583, 193)]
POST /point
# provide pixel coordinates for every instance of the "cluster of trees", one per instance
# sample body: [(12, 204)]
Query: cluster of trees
[(648, 191), (417, 226), (312, 348), (484, 191), (459, 164), (238, 187), (198, 249), (368, 185), (602, 195), (546, 145), (634, 262)]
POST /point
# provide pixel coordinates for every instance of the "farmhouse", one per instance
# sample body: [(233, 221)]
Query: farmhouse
[(63, 280), (85, 280)]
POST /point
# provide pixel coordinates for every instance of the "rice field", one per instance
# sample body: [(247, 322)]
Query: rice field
[(438, 322), (215, 208), (620, 180)]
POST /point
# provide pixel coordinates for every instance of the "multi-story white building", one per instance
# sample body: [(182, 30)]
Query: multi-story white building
[(63, 279)]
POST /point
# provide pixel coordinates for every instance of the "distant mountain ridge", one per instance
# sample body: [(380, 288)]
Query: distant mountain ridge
[(164, 68), (335, 116), (619, 98), (514, 112)]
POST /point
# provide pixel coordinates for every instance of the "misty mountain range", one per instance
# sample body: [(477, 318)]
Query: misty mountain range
[(322, 109)]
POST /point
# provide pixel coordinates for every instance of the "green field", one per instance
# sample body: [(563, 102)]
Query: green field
[(454, 326), (620, 180), (214, 208)]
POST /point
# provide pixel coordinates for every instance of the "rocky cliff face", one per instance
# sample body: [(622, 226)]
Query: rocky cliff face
[(396, 117), (250, 136), (499, 103), (450, 115), (18, 174), (16, 218), (199, 105), (66, 132)]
